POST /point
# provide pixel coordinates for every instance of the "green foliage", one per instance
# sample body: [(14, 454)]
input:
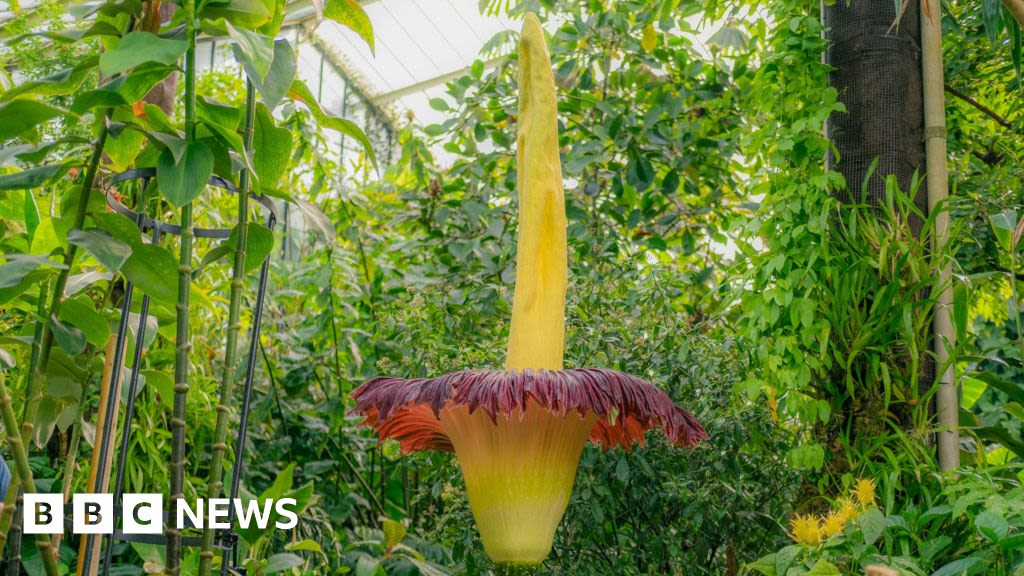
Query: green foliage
[(968, 522), (675, 157)]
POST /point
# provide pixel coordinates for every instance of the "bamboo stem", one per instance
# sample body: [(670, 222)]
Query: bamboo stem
[(36, 389), (89, 548), (947, 399), (27, 485), (70, 465), (183, 342), (227, 385), (43, 337), (10, 502)]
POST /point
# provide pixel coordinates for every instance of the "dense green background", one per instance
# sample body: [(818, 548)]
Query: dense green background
[(706, 254)]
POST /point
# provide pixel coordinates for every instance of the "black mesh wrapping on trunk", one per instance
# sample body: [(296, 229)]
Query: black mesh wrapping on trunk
[(878, 76)]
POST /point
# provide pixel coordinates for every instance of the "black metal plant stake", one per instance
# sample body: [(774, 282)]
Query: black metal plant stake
[(157, 230)]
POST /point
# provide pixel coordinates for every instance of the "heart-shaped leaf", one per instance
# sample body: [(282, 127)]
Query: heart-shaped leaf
[(181, 182), (153, 270)]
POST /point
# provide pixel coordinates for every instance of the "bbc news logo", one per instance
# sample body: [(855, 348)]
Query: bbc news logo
[(144, 513)]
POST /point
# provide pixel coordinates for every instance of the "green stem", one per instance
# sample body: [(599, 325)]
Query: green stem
[(24, 473), (43, 337), (183, 342), (227, 385), (37, 377)]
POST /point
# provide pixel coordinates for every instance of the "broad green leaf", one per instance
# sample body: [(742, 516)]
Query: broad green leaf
[(350, 13), (226, 136), (31, 211), (80, 313), (108, 250), (125, 89), (119, 226), (649, 38), (168, 141), (217, 113), (282, 562), (153, 270), (784, 558), (958, 567), (972, 390), (162, 384), (20, 116), (71, 339), (823, 568), (18, 267), (31, 280), (992, 12), (181, 182), (139, 47), (278, 9), (299, 91), (258, 245), (30, 178), (991, 525), (57, 84), (246, 13), (124, 148), (1003, 225), (1012, 389), (271, 149), (304, 546), (394, 532), (98, 28), (279, 77), (46, 240), (871, 524), (253, 50)]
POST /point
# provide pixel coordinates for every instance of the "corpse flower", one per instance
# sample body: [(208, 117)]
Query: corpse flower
[(518, 433)]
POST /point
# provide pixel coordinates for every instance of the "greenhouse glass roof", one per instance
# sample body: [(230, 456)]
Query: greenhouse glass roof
[(419, 46)]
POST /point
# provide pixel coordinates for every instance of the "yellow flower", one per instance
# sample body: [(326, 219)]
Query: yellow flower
[(864, 492), (805, 529), (846, 510), (833, 524)]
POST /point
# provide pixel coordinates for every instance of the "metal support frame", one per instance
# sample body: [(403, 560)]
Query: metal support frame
[(157, 230)]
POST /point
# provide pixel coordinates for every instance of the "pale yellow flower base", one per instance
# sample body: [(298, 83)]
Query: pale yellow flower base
[(519, 474)]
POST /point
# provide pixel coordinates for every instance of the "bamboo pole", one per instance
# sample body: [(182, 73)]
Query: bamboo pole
[(228, 375), (109, 392), (183, 343), (947, 399), (19, 450)]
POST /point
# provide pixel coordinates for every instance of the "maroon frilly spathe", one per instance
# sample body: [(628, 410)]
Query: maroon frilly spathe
[(409, 410)]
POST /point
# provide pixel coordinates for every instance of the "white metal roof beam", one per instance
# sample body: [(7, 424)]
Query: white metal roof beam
[(388, 97)]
